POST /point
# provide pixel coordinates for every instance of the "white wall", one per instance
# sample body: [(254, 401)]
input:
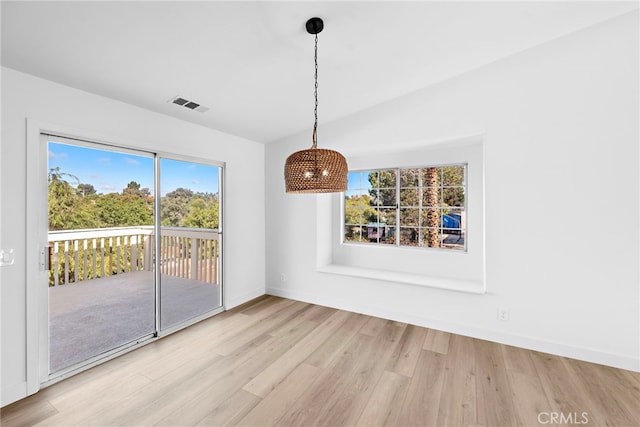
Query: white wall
[(560, 123), (24, 96)]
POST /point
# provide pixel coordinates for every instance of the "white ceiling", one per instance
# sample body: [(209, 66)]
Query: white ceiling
[(251, 63)]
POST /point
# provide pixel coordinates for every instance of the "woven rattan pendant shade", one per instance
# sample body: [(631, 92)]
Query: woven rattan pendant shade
[(315, 170)]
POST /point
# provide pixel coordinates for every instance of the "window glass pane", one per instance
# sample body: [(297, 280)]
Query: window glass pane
[(409, 236), (375, 232), (409, 177), (364, 179), (452, 175), (431, 196), (409, 217), (365, 233), (352, 233), (430, 217), (387, 197), (376, 217), (453, 239), (453, 218), (453, 196), (430, 237), (353, 215), (370, 179), (431, 177), (386, 179), (388, 216), (389, 237), (369, 214), (375, 197), (357, 180), (409, 197)]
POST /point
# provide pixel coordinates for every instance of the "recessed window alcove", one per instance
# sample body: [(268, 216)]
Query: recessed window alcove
[(462, 271)]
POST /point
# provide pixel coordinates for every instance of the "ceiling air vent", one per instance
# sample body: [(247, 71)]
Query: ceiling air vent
[(184, 102)]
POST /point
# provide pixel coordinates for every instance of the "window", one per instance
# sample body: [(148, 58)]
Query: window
[(421, 207)]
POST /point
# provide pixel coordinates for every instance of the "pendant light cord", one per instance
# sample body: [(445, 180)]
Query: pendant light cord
[(315, 94)]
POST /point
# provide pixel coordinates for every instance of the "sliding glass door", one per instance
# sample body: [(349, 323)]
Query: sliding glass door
[(190, 240), (124, 265), (101, 239)]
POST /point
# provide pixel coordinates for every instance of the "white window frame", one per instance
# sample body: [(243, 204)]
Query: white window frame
[(398, 207)]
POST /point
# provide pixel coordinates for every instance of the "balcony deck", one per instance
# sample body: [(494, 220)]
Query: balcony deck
[(94, 316)]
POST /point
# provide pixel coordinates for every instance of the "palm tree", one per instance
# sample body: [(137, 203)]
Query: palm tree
[(433, 214)]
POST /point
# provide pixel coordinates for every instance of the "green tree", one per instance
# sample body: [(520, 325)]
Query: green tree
[(133, 189), (453, 181), (61, 199), (67, 210), (358, 210), (85, 190), (358, 213), (383, 187), (117, 210), (203, 213), (174, 207), (432, 199)]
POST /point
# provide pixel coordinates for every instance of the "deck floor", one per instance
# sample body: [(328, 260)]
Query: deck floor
[(94, 316)]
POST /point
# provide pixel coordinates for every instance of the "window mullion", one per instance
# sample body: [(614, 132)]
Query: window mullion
[(398, 207), (420, 207)]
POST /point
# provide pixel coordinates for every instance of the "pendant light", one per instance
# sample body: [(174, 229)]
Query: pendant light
[(315, 170)]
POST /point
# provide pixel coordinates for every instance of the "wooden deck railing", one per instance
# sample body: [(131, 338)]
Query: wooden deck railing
[(78, 255)]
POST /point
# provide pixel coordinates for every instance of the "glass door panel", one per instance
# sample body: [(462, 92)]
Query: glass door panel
[(101, 239), (190, 241)]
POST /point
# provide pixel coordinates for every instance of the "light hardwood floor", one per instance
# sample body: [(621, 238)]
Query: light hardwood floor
[(275, 361)]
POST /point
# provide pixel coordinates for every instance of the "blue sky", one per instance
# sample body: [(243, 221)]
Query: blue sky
[(111, 171), (359, 179)]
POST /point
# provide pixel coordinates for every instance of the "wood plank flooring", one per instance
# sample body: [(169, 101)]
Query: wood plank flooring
[(278, 362)]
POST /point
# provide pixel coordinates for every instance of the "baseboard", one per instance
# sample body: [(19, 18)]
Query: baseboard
[(248, 296), (527, 342), (13, 393)]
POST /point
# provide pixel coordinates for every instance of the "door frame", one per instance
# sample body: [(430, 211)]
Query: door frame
[(37, 228)]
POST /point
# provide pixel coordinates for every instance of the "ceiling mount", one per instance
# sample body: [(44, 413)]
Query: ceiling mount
[(314, 25)]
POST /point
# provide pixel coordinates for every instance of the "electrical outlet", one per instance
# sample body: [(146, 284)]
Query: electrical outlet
[(7, 257), (503, 314), (283, 278)]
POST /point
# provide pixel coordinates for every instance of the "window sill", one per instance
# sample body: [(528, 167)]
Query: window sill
[(459, 285)]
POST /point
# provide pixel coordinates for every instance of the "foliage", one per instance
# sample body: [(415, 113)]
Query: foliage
[(75, 205), (416, 186), (121, 210), (358, 210), (133, 189), (203, 212), (420, 195), (174, 207), (85, 190), (67, 210)]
